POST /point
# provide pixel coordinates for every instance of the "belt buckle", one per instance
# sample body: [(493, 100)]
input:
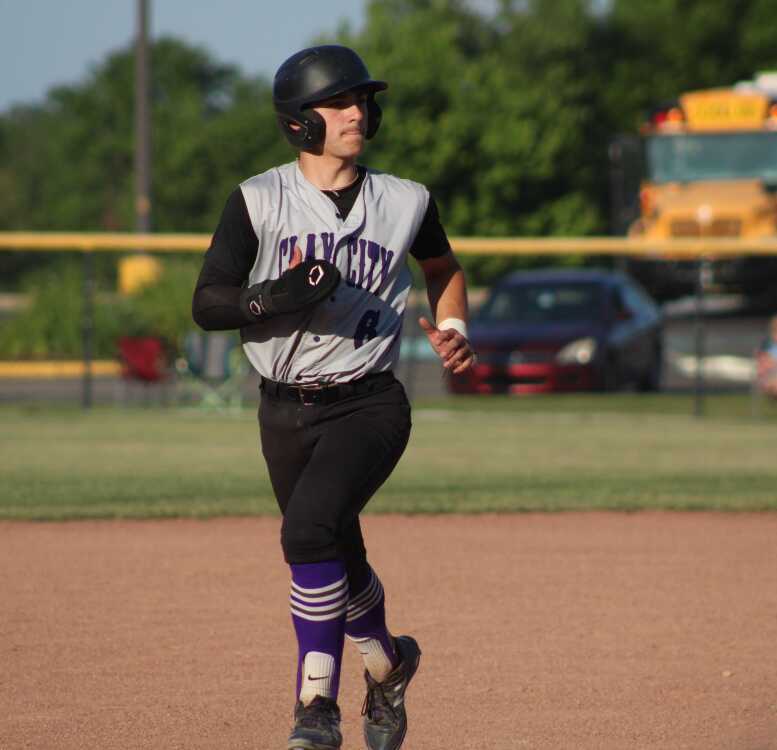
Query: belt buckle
[(309, 395)]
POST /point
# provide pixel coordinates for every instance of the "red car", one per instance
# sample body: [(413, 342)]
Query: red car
[(564, 330)]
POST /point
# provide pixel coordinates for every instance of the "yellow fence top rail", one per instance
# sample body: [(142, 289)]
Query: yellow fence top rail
[(197, 243), (104, 241)]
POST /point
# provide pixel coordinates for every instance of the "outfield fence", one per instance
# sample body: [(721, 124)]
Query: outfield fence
[(703, 250)]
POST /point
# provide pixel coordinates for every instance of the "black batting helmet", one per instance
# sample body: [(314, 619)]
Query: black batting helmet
[(315, 74)]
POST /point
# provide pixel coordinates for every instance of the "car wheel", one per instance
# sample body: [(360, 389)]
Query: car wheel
[(651, 380)]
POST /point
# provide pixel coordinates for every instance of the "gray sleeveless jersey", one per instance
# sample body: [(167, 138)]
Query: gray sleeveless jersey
[(357, 330)]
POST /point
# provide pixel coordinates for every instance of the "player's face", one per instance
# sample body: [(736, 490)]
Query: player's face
[(345, 116)]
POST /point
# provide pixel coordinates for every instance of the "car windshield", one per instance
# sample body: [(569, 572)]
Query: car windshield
[(543, 303), (713, 156)]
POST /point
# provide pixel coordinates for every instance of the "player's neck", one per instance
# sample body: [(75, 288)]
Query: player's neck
[(328, 172)]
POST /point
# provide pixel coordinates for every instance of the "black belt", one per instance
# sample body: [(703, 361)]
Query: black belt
[(326, 393)]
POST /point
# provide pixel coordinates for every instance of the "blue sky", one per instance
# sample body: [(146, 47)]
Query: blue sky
[(48, 42)]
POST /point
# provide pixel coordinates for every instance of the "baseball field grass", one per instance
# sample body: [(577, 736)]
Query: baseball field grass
[(626, 452)]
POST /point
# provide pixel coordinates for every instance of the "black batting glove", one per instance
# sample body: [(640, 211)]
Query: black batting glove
[(299, 288)]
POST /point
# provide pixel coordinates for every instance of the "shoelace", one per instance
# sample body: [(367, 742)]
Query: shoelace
[(376, 705)]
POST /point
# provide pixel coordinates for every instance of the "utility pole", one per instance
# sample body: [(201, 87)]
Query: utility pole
[(142, 122), (140, 268), (142, 191)]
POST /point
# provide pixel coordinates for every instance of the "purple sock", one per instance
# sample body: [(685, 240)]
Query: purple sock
[(319, 595), (366, 625)]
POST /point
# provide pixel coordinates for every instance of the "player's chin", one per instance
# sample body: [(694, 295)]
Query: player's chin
[(352, 144)]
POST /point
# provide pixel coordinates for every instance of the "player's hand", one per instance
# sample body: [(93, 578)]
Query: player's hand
[(301, 286), (453, 349)]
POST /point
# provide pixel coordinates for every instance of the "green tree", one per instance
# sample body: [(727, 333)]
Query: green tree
[(495, 114), (428, 52), (68, 162), (649, 53)]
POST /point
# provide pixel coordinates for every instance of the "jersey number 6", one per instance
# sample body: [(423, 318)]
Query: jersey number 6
[(367, 328)]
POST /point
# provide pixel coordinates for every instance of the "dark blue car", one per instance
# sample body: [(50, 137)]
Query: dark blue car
[(564, 330)]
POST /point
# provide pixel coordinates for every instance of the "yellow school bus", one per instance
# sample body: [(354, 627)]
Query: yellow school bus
[(710, 169)]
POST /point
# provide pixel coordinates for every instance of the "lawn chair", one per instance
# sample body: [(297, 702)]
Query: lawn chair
[(763, 386), (145, 363), (212, 370)]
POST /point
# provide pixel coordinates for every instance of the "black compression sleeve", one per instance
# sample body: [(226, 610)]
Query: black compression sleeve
[(225, 269), (431, 240), (233, 249), (217, 308)]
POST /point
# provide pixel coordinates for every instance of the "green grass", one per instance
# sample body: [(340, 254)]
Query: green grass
[(623, 452)]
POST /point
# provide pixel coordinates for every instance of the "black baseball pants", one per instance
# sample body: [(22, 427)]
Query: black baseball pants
[(326, 460)]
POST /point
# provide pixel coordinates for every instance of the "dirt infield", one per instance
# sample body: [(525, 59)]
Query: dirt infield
[(539, 631)]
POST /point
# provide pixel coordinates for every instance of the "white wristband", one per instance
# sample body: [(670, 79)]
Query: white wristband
[(456, 324)]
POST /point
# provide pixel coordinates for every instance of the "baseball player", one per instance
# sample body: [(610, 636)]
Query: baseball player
[(309, 261)]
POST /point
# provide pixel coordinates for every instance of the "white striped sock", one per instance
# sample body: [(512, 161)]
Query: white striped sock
[(366, 600), (319, 604)]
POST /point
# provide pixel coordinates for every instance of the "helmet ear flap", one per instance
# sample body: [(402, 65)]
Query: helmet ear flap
[(315, 129), (374, 116), (309, 131)]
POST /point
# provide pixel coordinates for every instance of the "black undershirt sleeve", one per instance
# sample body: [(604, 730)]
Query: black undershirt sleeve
[(431, 240), (225, 269)]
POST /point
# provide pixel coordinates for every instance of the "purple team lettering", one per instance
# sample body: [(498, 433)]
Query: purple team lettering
[(367, 263)]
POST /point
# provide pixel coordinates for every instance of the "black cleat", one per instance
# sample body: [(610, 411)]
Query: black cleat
[(385, 720), (316, 726)]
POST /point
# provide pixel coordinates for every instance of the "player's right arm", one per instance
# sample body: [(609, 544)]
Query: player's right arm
[(223, 301), (225, 269)]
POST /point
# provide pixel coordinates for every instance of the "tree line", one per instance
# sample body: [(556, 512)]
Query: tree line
[(506, 115)]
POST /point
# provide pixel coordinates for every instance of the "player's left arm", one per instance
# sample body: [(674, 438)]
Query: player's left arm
[(446, 289)]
